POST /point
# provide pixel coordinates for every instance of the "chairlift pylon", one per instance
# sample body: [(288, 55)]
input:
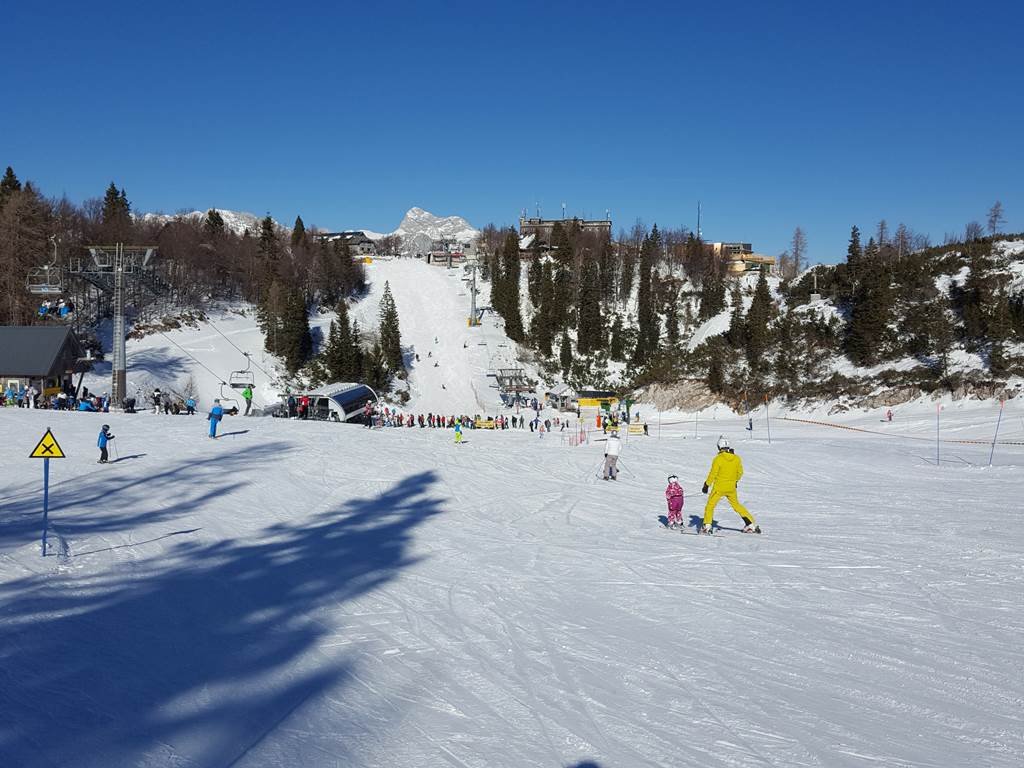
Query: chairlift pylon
[(243, 378)]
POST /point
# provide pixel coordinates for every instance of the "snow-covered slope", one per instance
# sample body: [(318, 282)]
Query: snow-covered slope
[(206, 353), (312, 594), (419, 228), (451, 375), (454, 359)]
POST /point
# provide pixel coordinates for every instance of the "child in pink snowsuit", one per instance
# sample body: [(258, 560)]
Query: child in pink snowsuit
[(674, 497)]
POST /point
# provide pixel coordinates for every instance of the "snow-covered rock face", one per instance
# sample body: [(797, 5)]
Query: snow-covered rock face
[(419, 228), (234, 221)]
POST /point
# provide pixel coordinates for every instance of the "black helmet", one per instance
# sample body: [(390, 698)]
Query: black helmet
[(106, 427)]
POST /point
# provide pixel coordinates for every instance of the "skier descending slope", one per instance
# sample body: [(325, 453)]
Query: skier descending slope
[(726, 471)]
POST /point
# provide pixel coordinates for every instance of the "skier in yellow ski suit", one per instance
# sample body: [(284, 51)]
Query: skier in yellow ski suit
[(726, 471)]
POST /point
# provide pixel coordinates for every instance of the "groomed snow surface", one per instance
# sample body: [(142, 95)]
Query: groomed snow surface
[(312, 594)]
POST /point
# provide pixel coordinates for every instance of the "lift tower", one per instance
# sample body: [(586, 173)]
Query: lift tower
[(108, 268)]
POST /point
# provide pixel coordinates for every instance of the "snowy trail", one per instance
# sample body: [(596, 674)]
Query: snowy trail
[(315, 594), (454, 358)]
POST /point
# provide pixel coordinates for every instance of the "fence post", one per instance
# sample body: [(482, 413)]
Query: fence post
[(992, 453), (768, 420)]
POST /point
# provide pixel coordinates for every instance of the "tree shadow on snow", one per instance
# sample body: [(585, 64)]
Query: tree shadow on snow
[(98, 502), (198, 656)]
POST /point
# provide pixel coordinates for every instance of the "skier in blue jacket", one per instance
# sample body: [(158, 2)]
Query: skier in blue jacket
[(101, 442), (216, 414)]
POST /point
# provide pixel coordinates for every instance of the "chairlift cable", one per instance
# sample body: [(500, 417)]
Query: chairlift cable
[(247, 355), (219, 379)]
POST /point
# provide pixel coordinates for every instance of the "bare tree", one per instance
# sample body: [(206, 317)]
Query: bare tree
[(798, 250), (973, 231), (995, 217), (389, 245), (903, 238), (882, 236)]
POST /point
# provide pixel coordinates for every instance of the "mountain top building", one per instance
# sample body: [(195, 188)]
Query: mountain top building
[(539, 230)]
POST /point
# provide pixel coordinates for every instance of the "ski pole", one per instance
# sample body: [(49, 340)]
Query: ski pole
[(113, 445)]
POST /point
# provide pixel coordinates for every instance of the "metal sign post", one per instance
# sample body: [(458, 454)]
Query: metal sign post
[(47, 448)]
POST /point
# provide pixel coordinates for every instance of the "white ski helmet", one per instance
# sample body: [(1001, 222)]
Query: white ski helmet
[(723, 442)]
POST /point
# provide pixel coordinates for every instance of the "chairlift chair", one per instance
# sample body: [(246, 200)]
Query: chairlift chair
[(227, 402), (244, 378)]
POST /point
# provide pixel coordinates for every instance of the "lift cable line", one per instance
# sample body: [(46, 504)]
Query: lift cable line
[(248, 355)]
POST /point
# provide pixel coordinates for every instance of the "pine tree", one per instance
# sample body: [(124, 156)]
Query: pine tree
[(357, 357), (854, 254), (269, 247), (588, 327), (712, 297), (8, 186), (375, 369), (295, 342), (390, 335), (648, 332), (342, 357), (213, 225), (617, 347), (786, 367), (1000, 331), (533, 281), (976, 297), (736, 336), (869, 316), (871, 252), (298, 239), (565, 353), (606, 270), (333, 356), (510, 287), (542, 329), (672, 321), (116, 215), (716, 370), (758, 318)]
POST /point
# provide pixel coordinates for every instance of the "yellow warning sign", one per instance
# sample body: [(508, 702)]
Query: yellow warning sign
[(48, 448)]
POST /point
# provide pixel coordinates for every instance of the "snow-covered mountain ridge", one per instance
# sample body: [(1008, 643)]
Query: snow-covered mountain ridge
[(234, 221), (418, 228)]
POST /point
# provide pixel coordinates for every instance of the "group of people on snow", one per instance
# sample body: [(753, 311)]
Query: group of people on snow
[(722, 479), (721, 482), (65, 400)]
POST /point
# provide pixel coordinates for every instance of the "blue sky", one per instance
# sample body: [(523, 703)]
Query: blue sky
[(775, 115)]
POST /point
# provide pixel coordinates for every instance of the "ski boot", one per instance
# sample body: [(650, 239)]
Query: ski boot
[(706, 530), (751, 528)]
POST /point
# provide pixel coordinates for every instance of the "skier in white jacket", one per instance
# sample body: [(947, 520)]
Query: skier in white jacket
[(612, 449)]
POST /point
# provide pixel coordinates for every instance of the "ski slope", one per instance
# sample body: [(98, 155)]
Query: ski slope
[(312, 594), (454, 358), (433, 304)]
